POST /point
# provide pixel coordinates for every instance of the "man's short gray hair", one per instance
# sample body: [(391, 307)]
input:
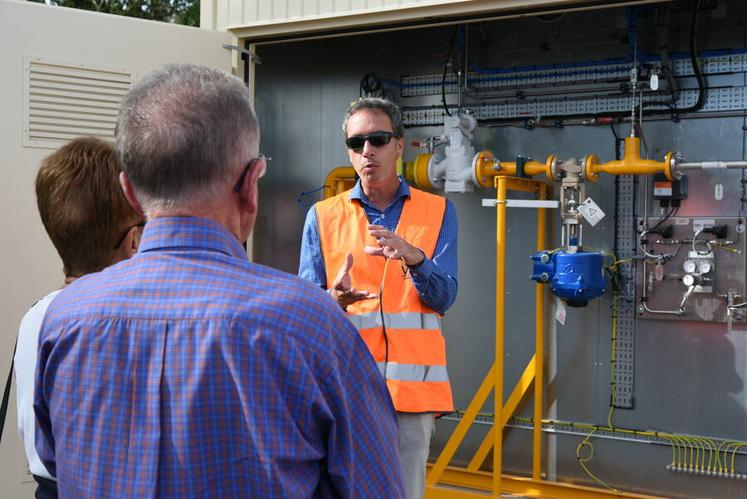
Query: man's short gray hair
[(180, 132), (378, 104)]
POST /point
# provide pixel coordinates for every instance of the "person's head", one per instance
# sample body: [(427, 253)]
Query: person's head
[(185, 134), (374, 136), (83, 208)]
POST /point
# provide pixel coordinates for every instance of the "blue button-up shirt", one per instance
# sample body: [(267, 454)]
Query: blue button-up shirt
[(435, 279), (188, 371)]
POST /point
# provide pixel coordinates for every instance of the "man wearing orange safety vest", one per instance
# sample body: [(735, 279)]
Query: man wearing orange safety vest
[(387, 253)]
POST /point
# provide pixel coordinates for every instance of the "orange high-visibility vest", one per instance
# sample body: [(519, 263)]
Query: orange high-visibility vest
[(410, 350)]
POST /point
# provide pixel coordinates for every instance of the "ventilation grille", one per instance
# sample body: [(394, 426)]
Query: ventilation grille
[(64, 101)]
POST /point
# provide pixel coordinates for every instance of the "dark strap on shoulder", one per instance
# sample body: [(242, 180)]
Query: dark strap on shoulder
[(6, 394)]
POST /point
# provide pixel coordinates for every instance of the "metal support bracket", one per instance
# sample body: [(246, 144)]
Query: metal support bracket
[(251, 56)]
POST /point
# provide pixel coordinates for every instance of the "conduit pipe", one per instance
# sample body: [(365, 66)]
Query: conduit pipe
[(710, 165)]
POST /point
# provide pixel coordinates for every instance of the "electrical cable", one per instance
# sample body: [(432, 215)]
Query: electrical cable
[(673, 210), (671, 109), (383, 320), (720, 468), (300, 198), (583, 460), (695, 64), (446, 67), (734, 455), (704, 241), (613, 362)]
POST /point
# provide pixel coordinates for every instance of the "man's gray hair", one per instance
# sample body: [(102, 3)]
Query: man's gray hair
[(378, 104), (180, 132)]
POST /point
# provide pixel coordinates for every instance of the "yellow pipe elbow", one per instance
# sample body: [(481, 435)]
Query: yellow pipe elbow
[(338, 180)]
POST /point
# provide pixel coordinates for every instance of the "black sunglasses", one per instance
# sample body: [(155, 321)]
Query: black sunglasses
[(376, 139), (261, 157)]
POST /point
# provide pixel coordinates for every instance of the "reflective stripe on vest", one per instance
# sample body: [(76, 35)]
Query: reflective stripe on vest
[(413, 372), (402, 320)]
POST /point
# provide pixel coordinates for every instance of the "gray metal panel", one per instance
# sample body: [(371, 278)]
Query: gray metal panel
[(689, 377)]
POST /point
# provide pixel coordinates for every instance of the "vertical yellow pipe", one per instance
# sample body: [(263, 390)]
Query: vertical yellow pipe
[(539, 332), (632, 149), (500, 312)]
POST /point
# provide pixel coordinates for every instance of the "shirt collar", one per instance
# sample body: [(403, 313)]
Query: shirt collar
[(189, 233), (357, 191)]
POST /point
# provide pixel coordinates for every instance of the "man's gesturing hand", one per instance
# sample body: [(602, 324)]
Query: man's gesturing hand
[(393, 247), (341, 290)]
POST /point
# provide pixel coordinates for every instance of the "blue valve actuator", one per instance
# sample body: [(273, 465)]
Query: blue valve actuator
[(575, 278)]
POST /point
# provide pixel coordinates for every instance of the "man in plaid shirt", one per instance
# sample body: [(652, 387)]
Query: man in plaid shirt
[(188, 371)]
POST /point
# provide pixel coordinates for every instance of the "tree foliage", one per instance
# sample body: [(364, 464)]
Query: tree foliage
[(174, 11)]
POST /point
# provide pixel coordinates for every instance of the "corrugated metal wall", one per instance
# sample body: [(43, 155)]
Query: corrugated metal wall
[(270, 17), (233, 13)]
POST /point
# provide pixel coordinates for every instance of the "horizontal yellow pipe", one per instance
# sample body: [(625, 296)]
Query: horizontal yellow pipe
[(487, 167), (631, 164)]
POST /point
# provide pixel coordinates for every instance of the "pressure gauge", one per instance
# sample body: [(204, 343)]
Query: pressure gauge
[(689, 266), (704, 267), (688, 280)]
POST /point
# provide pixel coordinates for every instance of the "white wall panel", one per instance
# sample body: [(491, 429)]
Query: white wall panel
[(343, 5), (326, 6), (263, 18), (86, 43), (295, 9)]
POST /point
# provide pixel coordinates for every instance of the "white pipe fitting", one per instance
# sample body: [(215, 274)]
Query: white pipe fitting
[(455, 167)]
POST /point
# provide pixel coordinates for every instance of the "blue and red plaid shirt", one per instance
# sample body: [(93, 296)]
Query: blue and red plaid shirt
[(188, 371)]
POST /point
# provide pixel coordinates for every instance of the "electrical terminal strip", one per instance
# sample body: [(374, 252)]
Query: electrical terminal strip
[(691, 455), (707, 473)]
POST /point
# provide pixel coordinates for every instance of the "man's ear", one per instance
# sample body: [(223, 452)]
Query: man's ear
[(250, 189), (132, 240), (129, 193), (400, 146)]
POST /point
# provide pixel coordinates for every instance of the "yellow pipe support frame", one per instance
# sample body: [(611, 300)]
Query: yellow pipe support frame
[(500, 315), (539, 346), (338, 180), (476, 483), (521, 388), (532, 373), (631, 164), (461, 430)]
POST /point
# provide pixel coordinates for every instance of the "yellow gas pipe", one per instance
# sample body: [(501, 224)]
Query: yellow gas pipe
[(343, 178), (338, 180), (487, 167), (631, 164)]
